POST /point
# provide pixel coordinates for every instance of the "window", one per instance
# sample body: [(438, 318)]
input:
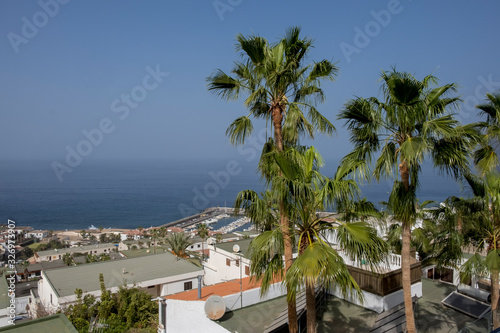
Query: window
[(50, 298), (188, 285), (199, 245), (228, 262), (151, 287), (247, 270), (237, 263)]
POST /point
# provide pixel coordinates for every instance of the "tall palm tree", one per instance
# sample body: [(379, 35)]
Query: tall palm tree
[(202, 233), (486, 226), (278, 88), (305, 191), (486, 157), (412, 122), (155, 234)]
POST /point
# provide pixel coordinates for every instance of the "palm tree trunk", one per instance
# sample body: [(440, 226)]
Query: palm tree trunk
[(277, 115), (405, 257), (494, 299), (292, 307), (406, 278), (311, 308), (202, 249)]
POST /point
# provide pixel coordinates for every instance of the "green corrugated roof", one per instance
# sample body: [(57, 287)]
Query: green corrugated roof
[(81, 249), (86, 277), (57, 323), (4, 292), (244, 244)]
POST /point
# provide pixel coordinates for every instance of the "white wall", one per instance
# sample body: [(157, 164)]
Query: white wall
[(252, 296), (44, 291), (217, 270), (176, 287), (21, 303), (189, 316), (379, 303)]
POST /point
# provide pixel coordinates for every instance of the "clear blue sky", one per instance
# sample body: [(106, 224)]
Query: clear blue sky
[(65, 76)]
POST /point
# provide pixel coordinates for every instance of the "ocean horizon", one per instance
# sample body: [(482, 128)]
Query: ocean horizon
[(132, 193)]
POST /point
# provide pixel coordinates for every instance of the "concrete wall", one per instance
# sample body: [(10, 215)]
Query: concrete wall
[(21, 303), (176, 287), (379, 303), (252, 296)]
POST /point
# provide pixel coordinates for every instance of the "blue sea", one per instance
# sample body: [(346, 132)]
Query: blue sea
[(132, 193)]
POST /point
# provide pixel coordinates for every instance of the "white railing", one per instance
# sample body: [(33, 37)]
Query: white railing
[(395, 260)]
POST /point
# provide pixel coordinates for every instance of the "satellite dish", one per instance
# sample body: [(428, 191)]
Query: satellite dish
[(236, 248), (210, 241), (215, 307)]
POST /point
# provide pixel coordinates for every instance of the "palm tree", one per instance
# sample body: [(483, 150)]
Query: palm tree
[(278, 88), (305, 191), (163, 233), (486, 157), (202, 233), (219, 238), (68, 259), (260, 209), (486, 226), (155, 233), (179, 243), (411, 122)]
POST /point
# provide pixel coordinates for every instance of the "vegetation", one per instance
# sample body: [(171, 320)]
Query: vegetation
[(412, 122), (109, 238), (52, 244), (481, 213), (278, 88), (305, 191), (68, 259), (203, 234), (96, 258), (178, 243), (128, 310)]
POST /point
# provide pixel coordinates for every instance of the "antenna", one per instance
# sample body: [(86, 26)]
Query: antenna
[(215, 307)]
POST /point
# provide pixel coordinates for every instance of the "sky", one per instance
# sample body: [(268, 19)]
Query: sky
[(127, 79)]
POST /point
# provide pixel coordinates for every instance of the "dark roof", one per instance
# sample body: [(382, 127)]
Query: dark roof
[(57, 323)]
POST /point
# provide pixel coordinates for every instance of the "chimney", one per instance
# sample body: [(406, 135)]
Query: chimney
[(199, 286)]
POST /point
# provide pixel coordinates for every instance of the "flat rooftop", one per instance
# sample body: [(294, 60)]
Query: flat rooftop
[(337, 315), (57, 323), (244, 245), (116, 272), (219, 289), (81, 249)]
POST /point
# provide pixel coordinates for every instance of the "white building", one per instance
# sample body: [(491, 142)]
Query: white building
[(225, 263), (57, 254), (157, 274), (39, 234)]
